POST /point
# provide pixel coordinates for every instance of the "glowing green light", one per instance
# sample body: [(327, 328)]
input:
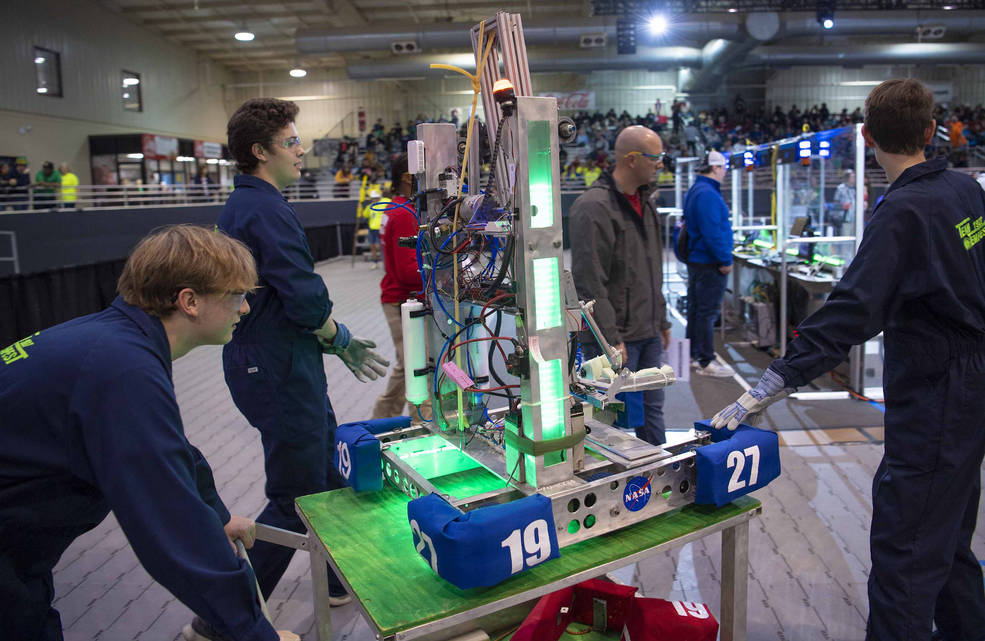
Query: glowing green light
[(547, 293), (551, 405), (433, 456), (762, 243), (540, 175)]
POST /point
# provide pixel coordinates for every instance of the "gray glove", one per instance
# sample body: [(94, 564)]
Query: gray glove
[(363, 362), (750, 405)]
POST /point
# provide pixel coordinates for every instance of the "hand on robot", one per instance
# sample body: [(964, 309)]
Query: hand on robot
[(356, 353), (242, 528), (749, 407), (624, 355)]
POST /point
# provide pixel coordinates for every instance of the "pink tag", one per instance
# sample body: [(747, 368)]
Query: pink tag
[(455, 373)]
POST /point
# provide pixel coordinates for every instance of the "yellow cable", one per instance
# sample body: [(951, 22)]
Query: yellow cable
[(476, 88)]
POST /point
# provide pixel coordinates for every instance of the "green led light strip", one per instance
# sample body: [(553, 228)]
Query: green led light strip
[(540, 177), (547, 293), (551, 405)]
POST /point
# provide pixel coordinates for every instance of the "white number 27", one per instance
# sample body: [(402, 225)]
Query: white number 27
[(737, 460), (536, 542), (424, 541)]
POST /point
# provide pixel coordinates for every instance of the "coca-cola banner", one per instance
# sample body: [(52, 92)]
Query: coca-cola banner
[(572, 100)]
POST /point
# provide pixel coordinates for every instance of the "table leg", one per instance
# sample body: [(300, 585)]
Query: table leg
[(319, 589), (735, 582)]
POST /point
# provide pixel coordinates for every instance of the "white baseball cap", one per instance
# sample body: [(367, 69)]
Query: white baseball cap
[(715, 159)]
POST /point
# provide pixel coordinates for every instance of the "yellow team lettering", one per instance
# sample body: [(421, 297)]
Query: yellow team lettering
[(17, 351), (971, 233)]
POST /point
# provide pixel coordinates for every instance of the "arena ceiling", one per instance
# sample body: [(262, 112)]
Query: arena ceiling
[(207, 26)]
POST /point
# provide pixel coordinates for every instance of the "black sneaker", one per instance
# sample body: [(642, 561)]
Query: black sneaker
[(200, 630)]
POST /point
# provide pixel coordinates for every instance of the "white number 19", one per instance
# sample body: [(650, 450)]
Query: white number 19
[(737, 460), (536, 542), (345, 463)]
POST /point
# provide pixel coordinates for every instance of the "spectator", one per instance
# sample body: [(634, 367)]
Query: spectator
[(373, 213), (844, 202), (401, 282), (46, 182), (204, 185), (19, 192), (70, 185), (591, 173), (617, 262), (709, 261), (7, 182), (343, 177)]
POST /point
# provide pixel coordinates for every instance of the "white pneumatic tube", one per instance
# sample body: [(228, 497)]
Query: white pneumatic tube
[(415, 353)]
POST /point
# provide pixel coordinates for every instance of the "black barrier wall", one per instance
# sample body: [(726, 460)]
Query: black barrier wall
[(70, 260)]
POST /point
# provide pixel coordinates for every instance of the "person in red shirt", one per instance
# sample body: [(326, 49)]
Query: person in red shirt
[(401, 281)]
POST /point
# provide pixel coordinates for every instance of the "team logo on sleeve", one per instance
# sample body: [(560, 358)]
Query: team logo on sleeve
[(637, 493), (18, 350), (971, 232)]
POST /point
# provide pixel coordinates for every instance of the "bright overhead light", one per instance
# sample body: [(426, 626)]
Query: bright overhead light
[(42, 90), (184, 159), (136, 156), (129, 82), (244, 35), (298, 72), (948, 7), (733, 10), (212, 161), (860, 83), (126, 95), (828, 23), (39, 60), (658, 24)]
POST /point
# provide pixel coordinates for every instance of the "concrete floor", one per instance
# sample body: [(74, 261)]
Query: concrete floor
[(809, 555)]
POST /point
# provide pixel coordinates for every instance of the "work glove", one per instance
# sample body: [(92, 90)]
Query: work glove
[(750, 405), (356, 353)]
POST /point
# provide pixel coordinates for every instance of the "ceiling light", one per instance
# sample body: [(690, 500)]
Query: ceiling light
[(185, 159), (129, 82), (298, 72), (948, 7), (828, 23), (860, 83), (826, 13), (136, 156), (42, 90), (244, 35), (733, 10), (39, 60), (658, 24)]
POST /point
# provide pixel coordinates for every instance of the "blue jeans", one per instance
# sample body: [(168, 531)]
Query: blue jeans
[(705, 290), (642, 354)]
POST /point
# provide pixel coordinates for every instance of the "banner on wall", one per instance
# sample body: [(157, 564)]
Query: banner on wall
[(206, 149), (159, 147), (572, 100)]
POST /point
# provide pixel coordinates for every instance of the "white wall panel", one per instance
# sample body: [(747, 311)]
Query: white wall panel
[(182, 95), (806, 86)]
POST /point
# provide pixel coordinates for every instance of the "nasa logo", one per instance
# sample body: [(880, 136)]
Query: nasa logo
[(637, 493)]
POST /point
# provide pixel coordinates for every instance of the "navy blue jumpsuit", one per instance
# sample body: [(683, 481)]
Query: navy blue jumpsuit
[(274, 366), (90, 424), (919, 277)]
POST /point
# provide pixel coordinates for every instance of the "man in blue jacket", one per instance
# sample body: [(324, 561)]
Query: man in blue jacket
[(918, 277), (709, 260), (274, 365), (91, 425)]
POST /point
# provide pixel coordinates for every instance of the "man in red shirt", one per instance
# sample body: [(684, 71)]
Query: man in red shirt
[(401, 281)]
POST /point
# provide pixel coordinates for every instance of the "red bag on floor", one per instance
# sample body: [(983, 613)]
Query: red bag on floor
[(659, 620), (639, 619)]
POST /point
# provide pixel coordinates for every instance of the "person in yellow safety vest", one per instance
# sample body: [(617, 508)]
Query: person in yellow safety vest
[(591, 173), (375, 218), (70, 183)]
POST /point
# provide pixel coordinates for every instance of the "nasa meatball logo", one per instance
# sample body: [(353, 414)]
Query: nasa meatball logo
[(637, 493)]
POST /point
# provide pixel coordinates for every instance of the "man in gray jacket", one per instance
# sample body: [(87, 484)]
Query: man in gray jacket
[(617, 261)]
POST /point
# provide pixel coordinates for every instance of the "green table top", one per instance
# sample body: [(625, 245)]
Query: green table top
[(369, 539)]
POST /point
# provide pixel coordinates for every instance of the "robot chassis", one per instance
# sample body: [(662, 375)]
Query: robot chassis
[(506, 258)]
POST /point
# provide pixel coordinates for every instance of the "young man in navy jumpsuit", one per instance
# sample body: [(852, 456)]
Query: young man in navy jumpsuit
[(91, 424), (274, 365), (918, 277)]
